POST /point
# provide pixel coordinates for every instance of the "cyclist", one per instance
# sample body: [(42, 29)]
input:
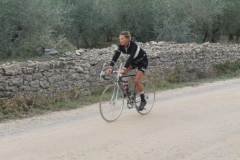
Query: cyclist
[(137, 59)]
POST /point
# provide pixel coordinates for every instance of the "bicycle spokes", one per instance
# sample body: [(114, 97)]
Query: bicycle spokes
[(111, 103), (149, 92)]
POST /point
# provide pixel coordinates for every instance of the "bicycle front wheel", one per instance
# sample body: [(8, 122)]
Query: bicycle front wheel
[(149, 92), (111, 103)]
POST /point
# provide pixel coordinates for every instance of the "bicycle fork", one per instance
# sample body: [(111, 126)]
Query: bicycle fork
[(114, 95)]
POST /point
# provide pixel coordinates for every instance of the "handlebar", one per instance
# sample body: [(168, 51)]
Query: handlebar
[(103, 75)]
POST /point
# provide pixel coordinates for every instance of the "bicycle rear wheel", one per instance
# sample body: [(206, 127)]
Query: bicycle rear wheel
[(149, 92), (111, 103)]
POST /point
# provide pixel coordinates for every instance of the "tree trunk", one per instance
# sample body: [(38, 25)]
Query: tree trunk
[(86, 42), (213, 39), (108, 38), (215, 35), (15, 35), (77, 42), (238, 34), (80, 31), (205, 37), (230, 37)]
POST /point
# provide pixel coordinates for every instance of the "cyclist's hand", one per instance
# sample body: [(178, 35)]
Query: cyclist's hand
[(108, 71)]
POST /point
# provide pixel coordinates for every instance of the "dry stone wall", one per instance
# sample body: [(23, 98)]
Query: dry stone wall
[(81, 69)]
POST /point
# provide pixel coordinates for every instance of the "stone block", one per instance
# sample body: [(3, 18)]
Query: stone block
[(47, 74), (44, 67), (3, 86), (2, 79), (1, 71), (14, 89), (28, 70), (55, 78), (12, 70), (28, 78), (50, 52), (35, 84), (44, 84), (15, 81), (37, 76)]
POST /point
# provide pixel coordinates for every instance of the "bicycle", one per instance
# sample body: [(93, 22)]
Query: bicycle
[(112, 99)]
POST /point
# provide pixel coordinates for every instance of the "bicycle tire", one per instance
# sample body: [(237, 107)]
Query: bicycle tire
[(149, 92), (111, 103)]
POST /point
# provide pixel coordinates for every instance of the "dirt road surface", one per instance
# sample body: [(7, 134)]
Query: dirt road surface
[(201, 122)]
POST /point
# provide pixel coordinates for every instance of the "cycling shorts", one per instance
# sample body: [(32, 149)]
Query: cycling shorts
[(141, 65)]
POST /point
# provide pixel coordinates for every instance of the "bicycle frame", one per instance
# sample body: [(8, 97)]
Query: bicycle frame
[(131, 101), (112, 110)]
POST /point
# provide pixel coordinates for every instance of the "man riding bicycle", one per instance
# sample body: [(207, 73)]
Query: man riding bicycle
[(137, 59)]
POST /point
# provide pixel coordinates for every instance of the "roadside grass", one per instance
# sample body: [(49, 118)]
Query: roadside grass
[(19, 106)]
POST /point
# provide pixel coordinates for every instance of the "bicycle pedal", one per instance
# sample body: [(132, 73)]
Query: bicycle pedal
[(129, 106), (141, 110), (124, 96)]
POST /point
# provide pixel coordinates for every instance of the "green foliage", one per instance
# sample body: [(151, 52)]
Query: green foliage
[(63, 45), (73, 94), (137, 17), (188, 20), (174, 21), (183, 74), (20, 105), (228, 68), (231, 17), (161, 84), (27, 27), (237, 73)]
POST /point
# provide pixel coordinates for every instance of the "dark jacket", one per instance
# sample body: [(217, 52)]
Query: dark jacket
[(136, 54)]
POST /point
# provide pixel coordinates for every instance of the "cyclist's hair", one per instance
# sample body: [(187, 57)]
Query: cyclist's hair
[(126, 34)]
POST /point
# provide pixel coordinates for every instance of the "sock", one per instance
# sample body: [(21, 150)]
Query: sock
[(142, 97), (125, 86)]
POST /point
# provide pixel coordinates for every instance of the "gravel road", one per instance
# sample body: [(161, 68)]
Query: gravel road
[(201, 122)]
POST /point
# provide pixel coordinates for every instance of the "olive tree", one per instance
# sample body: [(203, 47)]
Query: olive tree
[(173, 21), (231, 19), (137, 17), (27, 26)]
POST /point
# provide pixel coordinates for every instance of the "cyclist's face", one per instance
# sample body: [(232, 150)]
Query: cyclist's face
[(123, 40)]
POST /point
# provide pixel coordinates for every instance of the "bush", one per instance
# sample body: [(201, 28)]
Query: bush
[(228, 68), (63, 45), (19, 105)]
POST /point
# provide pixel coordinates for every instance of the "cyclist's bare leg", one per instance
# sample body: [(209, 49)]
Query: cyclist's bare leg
[(125, 80), (129, 69), (137, 80), (140, 89)]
